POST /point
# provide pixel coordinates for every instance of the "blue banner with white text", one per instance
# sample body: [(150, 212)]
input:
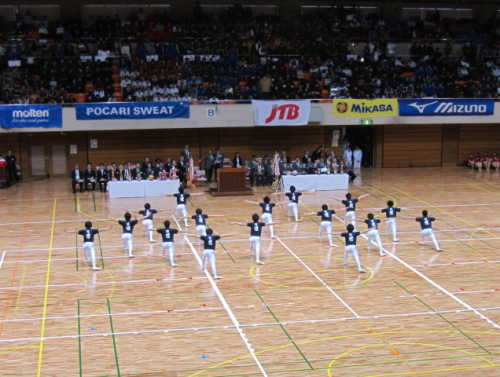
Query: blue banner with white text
[(446, 107), (132, 110), (21, 116)]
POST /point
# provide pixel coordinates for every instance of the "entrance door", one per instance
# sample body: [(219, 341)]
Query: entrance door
[(362, 136), (38, 161), (59, 160)]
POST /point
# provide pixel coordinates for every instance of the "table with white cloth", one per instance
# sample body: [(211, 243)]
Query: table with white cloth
[(315, 182), (138, 189)]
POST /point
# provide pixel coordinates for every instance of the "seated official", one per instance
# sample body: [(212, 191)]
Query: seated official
[(102, 177), (237, 161), (77, 178), (89, 177)]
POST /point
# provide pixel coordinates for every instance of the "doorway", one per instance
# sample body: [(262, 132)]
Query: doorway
[(38, 161), (363, 137), (59, 164)]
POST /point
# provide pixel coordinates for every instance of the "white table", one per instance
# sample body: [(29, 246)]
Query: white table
[(315, 182), (138, 189)]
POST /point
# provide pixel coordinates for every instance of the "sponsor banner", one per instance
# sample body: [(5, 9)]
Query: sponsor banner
[(132, 110), (20, 116), (446, 107), (281, 113), (365, 108)]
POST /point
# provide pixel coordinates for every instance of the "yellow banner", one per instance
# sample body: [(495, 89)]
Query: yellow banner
[(365, 108)]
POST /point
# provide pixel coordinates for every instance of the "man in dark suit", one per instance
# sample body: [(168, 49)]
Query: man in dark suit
[(185, 154), (89, 176), (77, 179), (11, 167), (102, 178), (237, 161), (208, 165), (219, 161), (137, 172)]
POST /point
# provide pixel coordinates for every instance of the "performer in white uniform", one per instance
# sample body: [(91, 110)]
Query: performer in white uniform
[(426, 229), (147, 220), (391, 213), (373, 234), (127, 237), (167, 235)]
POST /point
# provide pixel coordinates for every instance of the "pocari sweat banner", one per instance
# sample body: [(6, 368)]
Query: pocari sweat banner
[(21, 116), (446, 107), (132, 110)]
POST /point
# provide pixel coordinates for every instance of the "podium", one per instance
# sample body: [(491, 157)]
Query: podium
[(231, 181)]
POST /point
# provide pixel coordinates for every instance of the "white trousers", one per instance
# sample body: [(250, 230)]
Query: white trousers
[(169, 248), (350, 217), (201, 230), (374, 236), (127, 242), (268, 218), (429, 233), (357, 164), (293, 210), (209, 256), (181, 211), (148, 224), (326, 226), (89, 249), (353, 250), (255, 246), (391, 222)]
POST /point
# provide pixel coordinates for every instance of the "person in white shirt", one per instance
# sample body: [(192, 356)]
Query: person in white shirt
[(348, 157), (357, 155)]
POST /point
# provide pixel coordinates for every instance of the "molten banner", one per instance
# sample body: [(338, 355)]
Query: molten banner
[(281, 113), (365, 108)]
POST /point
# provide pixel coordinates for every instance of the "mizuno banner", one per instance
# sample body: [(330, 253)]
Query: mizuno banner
[(365, 108), (281, 113), (132, 110), (21, 116), (446, 107)]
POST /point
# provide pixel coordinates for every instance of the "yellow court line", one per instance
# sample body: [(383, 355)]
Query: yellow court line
[(330, 338), (46, 293), (420, 371), (15, 348)]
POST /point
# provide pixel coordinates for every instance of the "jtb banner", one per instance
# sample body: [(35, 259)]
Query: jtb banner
[(17, 116), (365, 108), (446, 107), (132, 110), (281, 113)]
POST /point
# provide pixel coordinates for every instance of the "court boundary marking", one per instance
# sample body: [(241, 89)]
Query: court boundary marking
[(225, 305)]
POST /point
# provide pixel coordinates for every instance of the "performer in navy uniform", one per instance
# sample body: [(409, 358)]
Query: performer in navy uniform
[(426, 229), (326, 222), (167, 235), (350, 245), (390, 214), (77, 179), (181, 198), (200, 222), (127, 236), (267, 213), (88, 244), (255, 234), (147, 220), (373, 233), (350, 208), (293, 205), (209, 243)]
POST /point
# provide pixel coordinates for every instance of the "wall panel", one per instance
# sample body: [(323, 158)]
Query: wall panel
[(412, 146), (478, 139)]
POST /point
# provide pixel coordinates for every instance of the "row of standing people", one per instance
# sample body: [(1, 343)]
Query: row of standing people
[(256, 225)]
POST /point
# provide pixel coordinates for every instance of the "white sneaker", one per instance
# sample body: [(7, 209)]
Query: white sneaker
[(362, 271), (96, 268), (217, 277), (260, 262)]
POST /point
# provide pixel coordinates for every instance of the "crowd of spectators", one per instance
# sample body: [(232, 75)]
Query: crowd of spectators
[(235, 55)]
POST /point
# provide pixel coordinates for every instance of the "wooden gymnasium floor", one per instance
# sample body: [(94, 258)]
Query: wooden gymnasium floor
[(303, 313)]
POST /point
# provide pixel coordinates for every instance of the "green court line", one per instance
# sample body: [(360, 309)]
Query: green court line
[(100, 250), (80, 367), (93, 199), (227, 251), (76, 251), (118, 374), (442, 317), (284, 330)]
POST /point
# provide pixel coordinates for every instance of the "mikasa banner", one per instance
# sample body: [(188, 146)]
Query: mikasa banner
[(281, 113), (368, 108)]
